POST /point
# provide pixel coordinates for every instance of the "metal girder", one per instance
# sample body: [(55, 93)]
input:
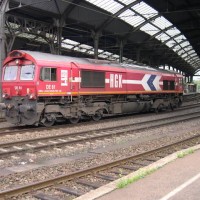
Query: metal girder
[(57, 7), (68, 10), (19, 25), (189, 54), (184, 48), (194, 61), (179, 43), (110, 19), (161, 31), (195, 56)]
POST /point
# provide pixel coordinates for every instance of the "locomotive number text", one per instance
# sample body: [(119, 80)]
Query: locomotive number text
[(50, 87)]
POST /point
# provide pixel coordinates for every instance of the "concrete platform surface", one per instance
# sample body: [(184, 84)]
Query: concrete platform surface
[(178, 180), (174, 179)]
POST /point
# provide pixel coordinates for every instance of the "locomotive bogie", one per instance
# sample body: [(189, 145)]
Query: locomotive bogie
[(41, 88)]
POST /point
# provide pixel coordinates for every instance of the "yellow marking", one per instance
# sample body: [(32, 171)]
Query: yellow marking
[(108, 92), (52, 93)]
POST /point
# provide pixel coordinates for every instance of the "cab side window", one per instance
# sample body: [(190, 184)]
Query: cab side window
[(48, 74)]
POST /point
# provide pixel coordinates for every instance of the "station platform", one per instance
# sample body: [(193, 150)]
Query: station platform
[(174, 179)]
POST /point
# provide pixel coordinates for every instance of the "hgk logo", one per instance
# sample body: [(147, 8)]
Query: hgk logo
[(115, 80)]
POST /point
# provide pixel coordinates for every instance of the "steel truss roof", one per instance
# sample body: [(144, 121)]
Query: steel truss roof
[(151, 31)]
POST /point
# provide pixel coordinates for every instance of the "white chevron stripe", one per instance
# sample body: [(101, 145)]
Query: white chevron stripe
[(144, 82), (107, 80)]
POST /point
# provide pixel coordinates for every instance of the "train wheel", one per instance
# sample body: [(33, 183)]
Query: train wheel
[(74, 120), (97, 116), (47, 122)]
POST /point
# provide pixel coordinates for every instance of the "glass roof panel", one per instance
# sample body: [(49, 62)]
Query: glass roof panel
[(131, 18), (116, 56), (184, 44), (189, 58), (103, 56), (149, 29), (107, 53), (170, 43), (191, 52), (162, 37), (91, 51), (85, 46), (161, 22), (127, 2), (110, 6), (145, 10), (80, 49), (181, 52), (173, 31), (180, 38), (100, 50), (68, 41), (183, 55), (67, 46), (188, 48), (176, 48)]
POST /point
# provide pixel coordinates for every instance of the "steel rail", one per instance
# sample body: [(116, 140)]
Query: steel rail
[(54, 181), (116, 131)]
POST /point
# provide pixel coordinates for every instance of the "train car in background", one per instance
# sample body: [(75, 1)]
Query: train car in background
[(41, 88), (190, 88)]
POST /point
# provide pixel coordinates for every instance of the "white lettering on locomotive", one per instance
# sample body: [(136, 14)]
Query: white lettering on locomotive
[(18, 88), (50, 87), (115, 80), (64, 77)]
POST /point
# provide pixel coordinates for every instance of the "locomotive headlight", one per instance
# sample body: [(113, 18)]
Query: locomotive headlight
[(6, 96), (32, 96)]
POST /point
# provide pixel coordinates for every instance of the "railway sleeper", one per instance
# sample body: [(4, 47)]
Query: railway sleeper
[(90, 184), (43, 196), (69, 191)]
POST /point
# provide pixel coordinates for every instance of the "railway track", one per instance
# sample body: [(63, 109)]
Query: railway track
[(96, 176), (58, 141), (23, 129), (191, 97)]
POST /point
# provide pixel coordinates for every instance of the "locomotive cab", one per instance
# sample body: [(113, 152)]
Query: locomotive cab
[(19, 89)]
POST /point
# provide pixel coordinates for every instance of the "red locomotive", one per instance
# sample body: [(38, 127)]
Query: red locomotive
[(41, 88)]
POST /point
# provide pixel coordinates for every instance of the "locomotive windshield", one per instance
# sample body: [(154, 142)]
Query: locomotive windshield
[(10, 73), (27, 72)]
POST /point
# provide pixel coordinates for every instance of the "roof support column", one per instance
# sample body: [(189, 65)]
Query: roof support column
[(59, 24), (59, 38), (96, 43), (138, 55), (2, 37), (121, 50)]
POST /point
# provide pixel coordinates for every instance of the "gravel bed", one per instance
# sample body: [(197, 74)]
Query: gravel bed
[(123, 120), (84, 147), (145, 140)]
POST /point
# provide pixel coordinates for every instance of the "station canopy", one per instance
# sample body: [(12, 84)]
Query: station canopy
[(156, 33)]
